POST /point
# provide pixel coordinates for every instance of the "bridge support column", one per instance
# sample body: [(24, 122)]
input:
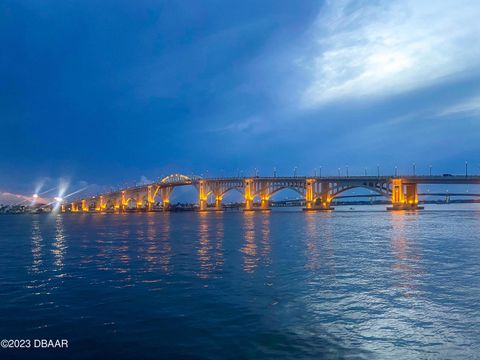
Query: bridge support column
[(84, 206), (218, 202), (202, 195), (404, 196), (124, 201), (309, 194), (265, 204), (165, 194), (150, 200), (118, 205), (102, 204), (248, 195), (317, 203), (166, 204)]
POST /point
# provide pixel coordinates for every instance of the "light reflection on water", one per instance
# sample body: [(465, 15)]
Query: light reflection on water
[(318, 243), (59, 245), (150, 248), (210, 245), (406, 253), (165, 246), (265, 242), (37, 245), (219, 238), (205, 247), (249, 249), (287, 283)]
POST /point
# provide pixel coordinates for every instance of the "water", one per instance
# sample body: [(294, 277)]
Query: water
[(284, 284)]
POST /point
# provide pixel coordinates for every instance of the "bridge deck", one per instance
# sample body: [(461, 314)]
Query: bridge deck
[(298, 182)]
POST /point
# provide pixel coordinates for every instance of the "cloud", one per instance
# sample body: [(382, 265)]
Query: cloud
[(469, 107), (367, 49), (251, 125)]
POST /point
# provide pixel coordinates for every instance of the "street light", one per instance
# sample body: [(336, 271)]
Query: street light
[(430, 170), (378, 170), (466, 168), (396, 171), (413, 169), (295, 171)]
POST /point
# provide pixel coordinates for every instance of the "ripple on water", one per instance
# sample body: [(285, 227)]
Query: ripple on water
[(274, 285)]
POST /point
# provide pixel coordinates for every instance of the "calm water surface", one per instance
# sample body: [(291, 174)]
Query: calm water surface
[(284, 284)]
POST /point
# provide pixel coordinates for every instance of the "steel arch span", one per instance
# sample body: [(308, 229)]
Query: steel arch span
[(175, 178)]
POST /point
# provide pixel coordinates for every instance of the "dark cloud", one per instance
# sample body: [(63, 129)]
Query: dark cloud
[(109, 92)]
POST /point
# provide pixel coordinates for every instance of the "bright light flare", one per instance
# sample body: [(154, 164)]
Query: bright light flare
[(76, 192), (58, 199), (46, 191), (62, 187)]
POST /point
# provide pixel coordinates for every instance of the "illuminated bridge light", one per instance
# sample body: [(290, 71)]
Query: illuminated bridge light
[(317, 193)]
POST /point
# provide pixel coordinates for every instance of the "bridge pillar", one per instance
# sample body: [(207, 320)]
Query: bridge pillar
[(249, 194), (84, 206), (165, 204), (404, 196), (118, 205), (165, 195), (103, 205), (317, 203), (139, 203), (150, 200), (124, 201), (309, 194), (265, 204), (202, 195), (218, 202)]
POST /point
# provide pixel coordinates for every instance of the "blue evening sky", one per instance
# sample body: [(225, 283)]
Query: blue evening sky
[(111, 92)]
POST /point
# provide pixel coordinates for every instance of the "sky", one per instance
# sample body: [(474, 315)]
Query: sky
[(99, 94)]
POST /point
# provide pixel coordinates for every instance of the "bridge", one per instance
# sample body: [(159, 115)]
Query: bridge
[(318, 192)]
